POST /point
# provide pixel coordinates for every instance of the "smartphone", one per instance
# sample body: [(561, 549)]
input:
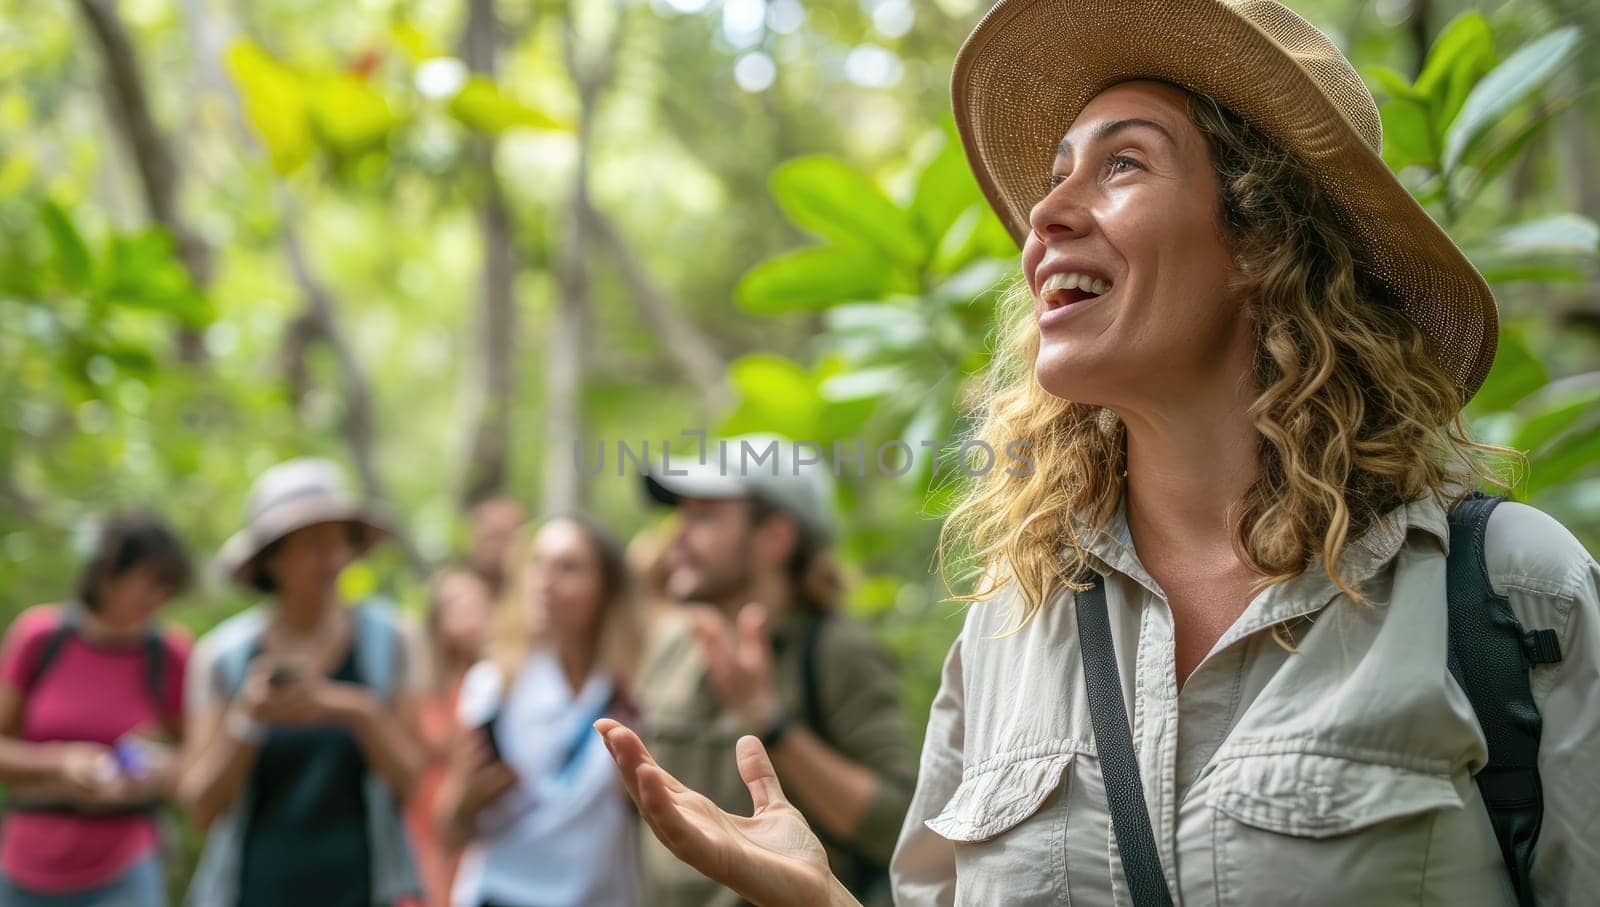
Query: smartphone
[(281, 676), (491, 737), (479, 706)]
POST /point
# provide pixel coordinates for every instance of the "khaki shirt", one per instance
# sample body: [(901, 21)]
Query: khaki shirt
[(692, 735), (1339, 774)]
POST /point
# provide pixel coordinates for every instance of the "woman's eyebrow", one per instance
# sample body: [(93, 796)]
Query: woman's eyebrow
[(1107, 130)]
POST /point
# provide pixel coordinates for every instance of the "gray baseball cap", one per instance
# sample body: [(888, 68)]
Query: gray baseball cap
[(791, 476)]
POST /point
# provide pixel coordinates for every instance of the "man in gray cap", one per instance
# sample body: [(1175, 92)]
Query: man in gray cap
[(762, 648)]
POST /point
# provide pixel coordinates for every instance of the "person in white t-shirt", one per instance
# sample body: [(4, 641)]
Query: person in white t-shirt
[(530, 793)]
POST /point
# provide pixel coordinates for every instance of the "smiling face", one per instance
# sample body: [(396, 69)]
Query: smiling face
[(1127, 260)]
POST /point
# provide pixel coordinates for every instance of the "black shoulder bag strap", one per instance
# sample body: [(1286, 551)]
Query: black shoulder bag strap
[(1490, 656), (65, 628), (1130, 818)]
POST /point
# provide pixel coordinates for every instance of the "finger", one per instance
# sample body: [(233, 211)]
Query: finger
[(630, 752), (662, 810), (755, 767), (627, 762), (753, 642)]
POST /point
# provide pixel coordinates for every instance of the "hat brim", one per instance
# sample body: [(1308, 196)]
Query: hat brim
[(238, 553), (1031, 66), (698, 480)]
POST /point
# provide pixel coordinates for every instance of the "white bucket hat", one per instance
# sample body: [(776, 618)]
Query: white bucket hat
[(293, 495)]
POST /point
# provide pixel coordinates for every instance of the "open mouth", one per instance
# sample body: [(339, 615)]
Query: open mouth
[(1062, 290)]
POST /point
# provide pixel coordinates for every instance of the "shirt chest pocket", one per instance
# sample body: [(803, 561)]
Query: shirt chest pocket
[(1007, 824), (1302, 827)]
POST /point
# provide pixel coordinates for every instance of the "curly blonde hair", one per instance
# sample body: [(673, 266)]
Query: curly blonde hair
[(1354, 415)]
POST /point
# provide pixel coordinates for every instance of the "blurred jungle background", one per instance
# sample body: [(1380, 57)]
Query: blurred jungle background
[(445, 240)]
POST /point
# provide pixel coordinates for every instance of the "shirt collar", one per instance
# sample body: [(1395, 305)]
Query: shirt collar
[(1110, 547)]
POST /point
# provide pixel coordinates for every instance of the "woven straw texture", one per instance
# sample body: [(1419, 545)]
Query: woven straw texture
[(1032, 65)]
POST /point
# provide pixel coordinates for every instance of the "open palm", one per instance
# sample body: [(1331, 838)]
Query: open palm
[(771, 857)]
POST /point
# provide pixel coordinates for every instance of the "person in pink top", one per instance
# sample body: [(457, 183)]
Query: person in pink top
[(90, 707)]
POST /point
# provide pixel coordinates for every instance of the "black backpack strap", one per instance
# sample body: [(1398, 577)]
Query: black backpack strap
[(1119, 766), (1490, 656), (64, 629), (155, 678), (810, 683)]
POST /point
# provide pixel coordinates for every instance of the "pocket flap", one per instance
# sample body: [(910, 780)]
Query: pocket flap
[(995, 799), (1317, 796)]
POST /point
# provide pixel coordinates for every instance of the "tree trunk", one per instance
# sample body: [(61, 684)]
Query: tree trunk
[(487, 462), (152, 156)]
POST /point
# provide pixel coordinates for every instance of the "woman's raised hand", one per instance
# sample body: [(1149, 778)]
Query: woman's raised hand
[(771, 857)]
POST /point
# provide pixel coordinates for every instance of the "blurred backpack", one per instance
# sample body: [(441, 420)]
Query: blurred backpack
[(865, 878)]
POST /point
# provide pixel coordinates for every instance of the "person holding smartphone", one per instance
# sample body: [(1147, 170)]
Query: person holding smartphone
[(530, 794), (302, 737)]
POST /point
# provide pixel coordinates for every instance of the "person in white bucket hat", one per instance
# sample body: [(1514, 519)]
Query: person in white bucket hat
[(301, 712), (1243, 638)]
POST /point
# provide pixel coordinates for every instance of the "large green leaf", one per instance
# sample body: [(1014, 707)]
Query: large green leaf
[(482, 105), (1511, 83), (835, 201), (275, 103), (1407, 134), (775, 395), (1460, 56), (1517, 372), (1560, 248), (72, 255), (1557, 409), (945, 189), (819, 277), (350, 114)]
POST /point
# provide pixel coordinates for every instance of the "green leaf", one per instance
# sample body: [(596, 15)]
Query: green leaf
[(827, 197), (945, 189), (350, 114), (1517, 372), (1516, 80), (816, 278), (775, 395), (1559, 407), (1460, 56), (481, 105), (1566, 457), (1564, 234), (72, 256), (1551, 249), (274, 103), (1407, 134), (1394, 84)]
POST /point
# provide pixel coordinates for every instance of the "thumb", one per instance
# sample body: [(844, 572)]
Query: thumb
[(755, 767)]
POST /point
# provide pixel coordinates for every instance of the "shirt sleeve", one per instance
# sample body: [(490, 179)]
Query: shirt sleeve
[(861, 688), (923, 870), (19, 654), (1552, 582)]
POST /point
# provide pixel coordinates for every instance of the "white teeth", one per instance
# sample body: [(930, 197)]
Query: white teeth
[(1075, 281)]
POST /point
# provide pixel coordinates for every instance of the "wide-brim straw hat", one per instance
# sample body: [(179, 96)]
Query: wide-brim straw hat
[(290, 496), (1031, 66)]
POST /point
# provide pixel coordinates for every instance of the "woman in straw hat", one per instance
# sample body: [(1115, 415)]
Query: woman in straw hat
[(1215, 665), (301, 713)]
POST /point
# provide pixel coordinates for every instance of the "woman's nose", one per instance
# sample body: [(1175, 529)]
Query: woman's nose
[(1061, 213)]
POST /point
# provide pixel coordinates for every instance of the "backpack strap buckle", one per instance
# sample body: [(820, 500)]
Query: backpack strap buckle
[(1542, 647)]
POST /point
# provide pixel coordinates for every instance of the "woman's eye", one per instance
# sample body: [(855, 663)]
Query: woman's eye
[(1121, 163)]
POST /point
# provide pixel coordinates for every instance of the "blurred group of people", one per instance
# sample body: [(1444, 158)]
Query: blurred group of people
[(338, 752)]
